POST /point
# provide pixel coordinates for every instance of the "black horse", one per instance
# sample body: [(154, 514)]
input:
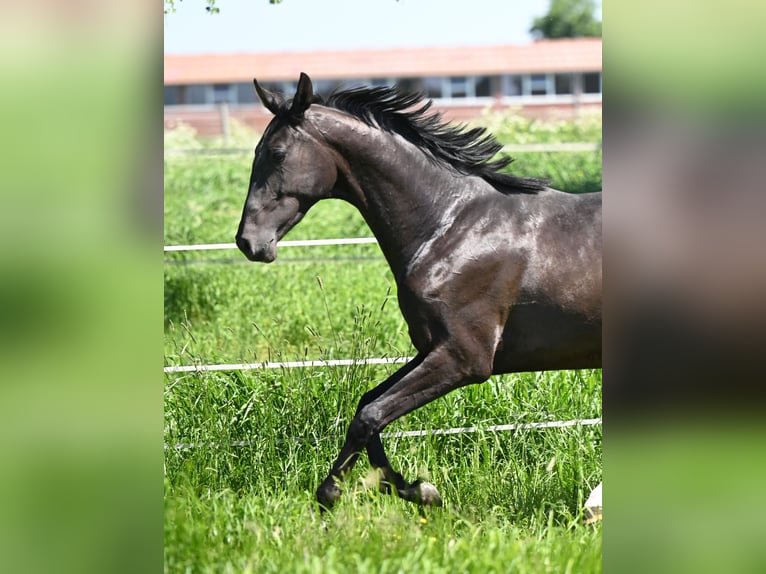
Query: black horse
[(495, 273)]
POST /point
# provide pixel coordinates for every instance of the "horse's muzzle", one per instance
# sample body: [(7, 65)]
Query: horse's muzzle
[(257, 250)]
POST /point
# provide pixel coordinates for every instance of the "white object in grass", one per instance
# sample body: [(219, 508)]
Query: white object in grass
[(593, 506)]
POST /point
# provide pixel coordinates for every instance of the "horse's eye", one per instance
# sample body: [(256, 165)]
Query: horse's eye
[(278, 155)]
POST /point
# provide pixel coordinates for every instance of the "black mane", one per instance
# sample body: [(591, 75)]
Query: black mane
[(468, 151)]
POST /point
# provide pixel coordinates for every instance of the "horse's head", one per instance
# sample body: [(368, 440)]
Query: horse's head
[(293, 169)]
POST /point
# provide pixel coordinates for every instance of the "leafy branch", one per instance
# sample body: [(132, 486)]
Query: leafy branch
[(211, 7)]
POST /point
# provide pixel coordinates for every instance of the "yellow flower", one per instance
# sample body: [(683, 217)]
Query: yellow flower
[(423, 520)]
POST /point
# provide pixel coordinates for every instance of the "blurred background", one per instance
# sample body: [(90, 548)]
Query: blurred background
[(464, 60), (81, 394)]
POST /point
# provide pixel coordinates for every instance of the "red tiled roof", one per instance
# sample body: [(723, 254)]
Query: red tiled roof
[(544, 56)]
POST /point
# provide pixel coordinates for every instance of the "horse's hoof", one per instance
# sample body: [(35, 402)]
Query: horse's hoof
[(422, 492), (429, 496), (327, 494)]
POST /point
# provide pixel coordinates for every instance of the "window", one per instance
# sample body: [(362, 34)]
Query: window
[(564, 84), (196, 94), (459, 87), (511, 85), (592, 83), (483, 87), (432, 87), (325, 87), (222, 93), (246, 93), (350, 83), (379, 82), (172, 95), (410, 84), (538, 84)]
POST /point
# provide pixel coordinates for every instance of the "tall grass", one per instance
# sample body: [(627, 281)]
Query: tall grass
[(245, 450), (513, 500)]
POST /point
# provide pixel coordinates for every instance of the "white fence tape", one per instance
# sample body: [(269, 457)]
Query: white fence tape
[(496, 428), (294, 243), (286, 365), (349, 362), (417, 433)]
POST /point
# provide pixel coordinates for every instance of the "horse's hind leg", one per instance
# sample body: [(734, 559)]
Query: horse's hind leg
[(419, 382), (391, 481)]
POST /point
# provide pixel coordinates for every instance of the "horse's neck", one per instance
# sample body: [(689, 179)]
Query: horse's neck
[(405, 198)]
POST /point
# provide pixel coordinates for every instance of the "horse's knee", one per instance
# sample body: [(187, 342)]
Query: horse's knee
[(363, 425)]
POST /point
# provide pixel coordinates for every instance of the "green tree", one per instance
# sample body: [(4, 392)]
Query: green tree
[(567, 19)]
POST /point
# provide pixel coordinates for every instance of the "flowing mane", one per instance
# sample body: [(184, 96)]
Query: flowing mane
[(467, 151)]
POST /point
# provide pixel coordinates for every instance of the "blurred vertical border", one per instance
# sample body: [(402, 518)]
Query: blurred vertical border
[(80, 292), (684, 283)]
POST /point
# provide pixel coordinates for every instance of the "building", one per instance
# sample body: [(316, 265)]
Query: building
[(544, 79)]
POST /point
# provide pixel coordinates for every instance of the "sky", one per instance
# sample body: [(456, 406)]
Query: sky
[(306, 25)]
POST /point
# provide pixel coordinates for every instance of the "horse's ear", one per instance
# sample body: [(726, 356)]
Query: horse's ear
[(304, 96), (271, 100)]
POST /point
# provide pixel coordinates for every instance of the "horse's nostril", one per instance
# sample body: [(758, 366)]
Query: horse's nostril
[(256, 249), (245, 246)]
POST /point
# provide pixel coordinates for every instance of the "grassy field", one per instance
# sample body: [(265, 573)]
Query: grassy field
[(246, 450)]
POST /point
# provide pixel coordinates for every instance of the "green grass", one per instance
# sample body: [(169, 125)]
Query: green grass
[(224, 531), (512, 499), (246, 312)]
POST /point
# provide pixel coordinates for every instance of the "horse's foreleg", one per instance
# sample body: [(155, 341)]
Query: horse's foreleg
[(419, 382)]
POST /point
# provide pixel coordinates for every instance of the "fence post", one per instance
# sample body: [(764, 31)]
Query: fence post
[(223, 112), (577, 81)]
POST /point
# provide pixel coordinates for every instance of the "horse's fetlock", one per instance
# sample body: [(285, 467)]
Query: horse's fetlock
[(328, 493)]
